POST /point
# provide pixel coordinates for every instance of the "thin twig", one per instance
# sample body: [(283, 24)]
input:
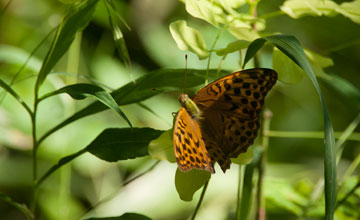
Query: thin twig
[(200, 200)]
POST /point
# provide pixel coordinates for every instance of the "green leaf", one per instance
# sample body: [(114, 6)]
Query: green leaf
[(162, 147), (82, 90), (161, 80), (243, 32), (189, 39), (126, 216), (188, 183), (115, 22), (207, 11), (288, 71), (351, 10), (115, 144), (76, 20), (244, 158), (8, 89), (246, 197), (233, 47), (253, 48), (299, 8), (290, 46), (21, 207)]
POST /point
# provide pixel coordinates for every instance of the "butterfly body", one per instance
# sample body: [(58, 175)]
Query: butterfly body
[(222, 119)]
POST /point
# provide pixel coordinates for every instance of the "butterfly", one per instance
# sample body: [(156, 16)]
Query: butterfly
[(222, 120)]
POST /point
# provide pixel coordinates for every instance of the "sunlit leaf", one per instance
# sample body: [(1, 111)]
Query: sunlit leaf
[(188, 183), (232, 47), (244, 158), (188, 39), (162, 147), (300, 8), (206, 10), (351, 10)]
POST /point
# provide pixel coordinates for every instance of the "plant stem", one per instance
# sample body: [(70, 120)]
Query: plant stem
[(211, 50), (308, 134), (200, 200), (239, 192), (260, 201)]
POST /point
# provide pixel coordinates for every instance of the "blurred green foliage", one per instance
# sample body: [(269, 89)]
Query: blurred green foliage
[(131, 50)]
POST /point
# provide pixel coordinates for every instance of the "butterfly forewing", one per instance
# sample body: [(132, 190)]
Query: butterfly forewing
[(189, 145), (229, 121), (232, 105)]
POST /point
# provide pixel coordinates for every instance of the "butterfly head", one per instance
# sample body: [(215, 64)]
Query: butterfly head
[(190, 106)]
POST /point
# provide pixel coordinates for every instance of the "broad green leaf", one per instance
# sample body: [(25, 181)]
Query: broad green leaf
[(126, 216), (76, 20), (253, 48), (233, 47), (161, 80), (229, 6), (115, 144), (206, 10), (21, 207), (290, 46), (83, 90), (244, 158), (351, 10), (288, 71), (115, 22), (162, 147), (300, 8), (188, 39), (188, 183)]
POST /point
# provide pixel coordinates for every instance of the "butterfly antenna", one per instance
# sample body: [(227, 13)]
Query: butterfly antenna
[(185, 72)]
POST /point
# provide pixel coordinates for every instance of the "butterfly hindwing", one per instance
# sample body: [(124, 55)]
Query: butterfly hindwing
[(226, 123), (189, 145), (232, 105)]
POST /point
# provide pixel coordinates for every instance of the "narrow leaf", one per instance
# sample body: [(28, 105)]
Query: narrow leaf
[(8, 89), (246, 196), (162, 80), (115, 144), (290, 46), (188, 183), (119, 40), (83, 90), (253, 48), (78, 17), (189, 39)]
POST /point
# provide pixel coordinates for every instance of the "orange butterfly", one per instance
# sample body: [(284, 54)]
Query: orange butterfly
[(222, 120)]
